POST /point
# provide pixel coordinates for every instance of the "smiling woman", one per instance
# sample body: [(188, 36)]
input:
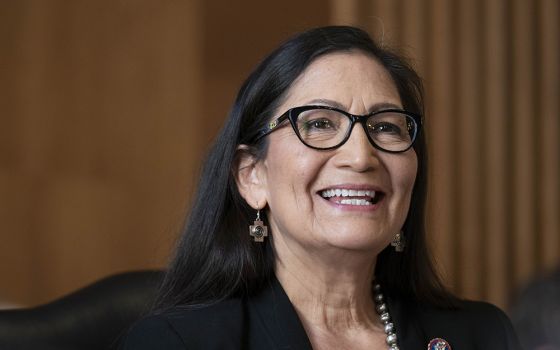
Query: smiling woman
[(345, 264), (319, 231)]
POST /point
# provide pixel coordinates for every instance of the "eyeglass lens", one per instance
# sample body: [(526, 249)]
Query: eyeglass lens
[(325, 128)]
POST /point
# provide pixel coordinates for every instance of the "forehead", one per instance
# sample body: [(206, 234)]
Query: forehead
[(354, 79)]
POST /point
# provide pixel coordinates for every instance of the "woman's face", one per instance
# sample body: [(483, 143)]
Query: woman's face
[(297, 178)]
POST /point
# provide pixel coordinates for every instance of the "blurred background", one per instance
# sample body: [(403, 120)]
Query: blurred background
[(107, 108)]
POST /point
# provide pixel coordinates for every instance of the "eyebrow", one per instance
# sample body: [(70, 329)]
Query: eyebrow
[(374, 108)]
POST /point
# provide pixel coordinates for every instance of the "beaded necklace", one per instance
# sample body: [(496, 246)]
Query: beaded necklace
[(383, 312)]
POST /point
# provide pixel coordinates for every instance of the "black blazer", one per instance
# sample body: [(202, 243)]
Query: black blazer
[(269, 321)]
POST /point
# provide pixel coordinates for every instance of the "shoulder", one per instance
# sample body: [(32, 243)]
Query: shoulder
[(467, 310), (478, 323), (153, 332), (207, 327)]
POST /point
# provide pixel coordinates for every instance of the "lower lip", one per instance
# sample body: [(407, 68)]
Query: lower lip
[(354, 208)]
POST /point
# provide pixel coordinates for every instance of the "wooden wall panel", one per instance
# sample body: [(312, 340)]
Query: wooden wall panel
[(384, 21), (496, 175), (469, 150), (548, 139), (107, 109), (236, 38), (102, 139), (439, 126), (414, 38), (522, 142), (344, 12)]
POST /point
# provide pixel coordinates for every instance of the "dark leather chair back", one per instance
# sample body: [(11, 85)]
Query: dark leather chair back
[(94, 317)]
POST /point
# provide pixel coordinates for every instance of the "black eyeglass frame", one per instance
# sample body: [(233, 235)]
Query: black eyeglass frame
[(292, 114)]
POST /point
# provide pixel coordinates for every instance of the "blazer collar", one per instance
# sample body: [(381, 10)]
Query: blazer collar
[(405, 317), (278, 318), (280, 322)]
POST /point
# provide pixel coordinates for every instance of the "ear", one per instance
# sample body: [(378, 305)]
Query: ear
[(250, 177)]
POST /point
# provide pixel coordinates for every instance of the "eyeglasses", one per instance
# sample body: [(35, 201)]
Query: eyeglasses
[(325, 128)]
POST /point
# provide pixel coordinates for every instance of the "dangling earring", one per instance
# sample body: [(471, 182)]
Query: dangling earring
[(399, 242), (258, 230)]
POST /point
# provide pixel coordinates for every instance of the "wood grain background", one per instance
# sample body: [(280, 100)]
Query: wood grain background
[(107, 108)]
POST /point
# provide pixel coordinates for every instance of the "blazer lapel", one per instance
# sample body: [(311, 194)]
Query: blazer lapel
[(410, 333), (277, 318)]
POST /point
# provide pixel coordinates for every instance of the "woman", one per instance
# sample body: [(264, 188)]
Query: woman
[(324, 151)]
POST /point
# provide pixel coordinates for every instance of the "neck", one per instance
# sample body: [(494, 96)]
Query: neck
[(331, 292)]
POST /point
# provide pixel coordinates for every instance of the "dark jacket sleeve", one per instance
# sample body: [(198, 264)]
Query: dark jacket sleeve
[(215, 327), (497, 331), (154, 332)]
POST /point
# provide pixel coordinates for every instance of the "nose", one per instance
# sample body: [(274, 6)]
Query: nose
[(357, 152)]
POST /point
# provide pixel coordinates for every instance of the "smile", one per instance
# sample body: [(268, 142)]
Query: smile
[(351, 197)]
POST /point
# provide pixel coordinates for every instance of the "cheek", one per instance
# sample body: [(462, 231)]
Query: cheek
[(290, 177), (290, 173), (404, 174), (411, 173), (288, 160)]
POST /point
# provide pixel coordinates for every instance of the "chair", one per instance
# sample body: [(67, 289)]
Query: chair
[(94, 317), (536, 312)]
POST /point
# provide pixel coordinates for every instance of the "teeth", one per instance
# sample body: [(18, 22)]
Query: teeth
[(354, 201), (347, 193)]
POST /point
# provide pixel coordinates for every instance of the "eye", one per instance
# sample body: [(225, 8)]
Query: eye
[(385, 128), (319, 124)]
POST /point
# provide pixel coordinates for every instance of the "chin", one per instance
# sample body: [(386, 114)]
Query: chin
[(364, 242)]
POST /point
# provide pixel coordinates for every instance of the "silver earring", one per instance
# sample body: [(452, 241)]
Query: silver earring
[(399, 242), (258, 230)]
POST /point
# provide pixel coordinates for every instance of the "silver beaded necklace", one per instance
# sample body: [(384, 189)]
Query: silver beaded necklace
[(383, 312)]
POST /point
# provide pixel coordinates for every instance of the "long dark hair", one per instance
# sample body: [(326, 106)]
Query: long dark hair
[(215, 257)]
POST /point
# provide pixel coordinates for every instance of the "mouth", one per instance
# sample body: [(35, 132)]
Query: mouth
[(347, 196)]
